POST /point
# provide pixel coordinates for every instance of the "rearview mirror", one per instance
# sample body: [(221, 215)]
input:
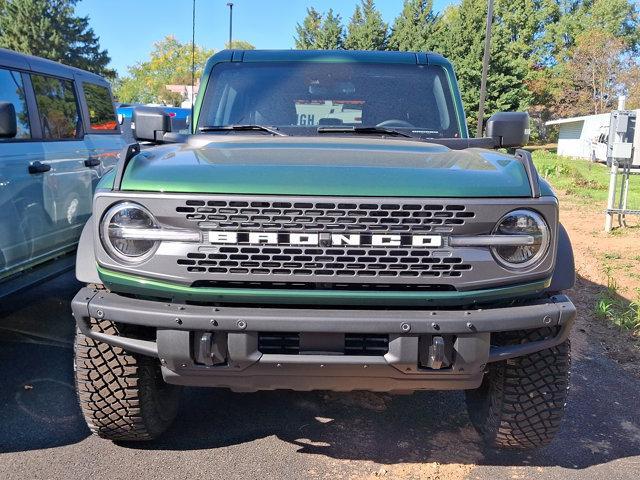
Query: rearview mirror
[(150, 124), (509, 129), (8, 120)]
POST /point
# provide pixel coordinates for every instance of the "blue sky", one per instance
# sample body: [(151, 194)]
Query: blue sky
[(128, 28)]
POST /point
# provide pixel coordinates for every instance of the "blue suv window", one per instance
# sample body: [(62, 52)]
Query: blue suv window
[(57, 107), (101, 114), (12, 91)]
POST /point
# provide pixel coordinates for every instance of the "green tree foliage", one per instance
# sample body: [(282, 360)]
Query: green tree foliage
[(461, 39), (320, 32), (366, 30), (414, 29), (169, 64), (239, 45), (50, 29), (619, 18), (307, 33), (331, 35)]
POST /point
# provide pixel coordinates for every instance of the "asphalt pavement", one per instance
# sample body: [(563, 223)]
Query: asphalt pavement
[(288, 435)]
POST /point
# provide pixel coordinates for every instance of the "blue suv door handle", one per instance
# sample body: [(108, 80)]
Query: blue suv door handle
[(92, 162), (38, 167)]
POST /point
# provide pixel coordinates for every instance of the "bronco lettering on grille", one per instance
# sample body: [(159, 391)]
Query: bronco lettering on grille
[(322, 239)]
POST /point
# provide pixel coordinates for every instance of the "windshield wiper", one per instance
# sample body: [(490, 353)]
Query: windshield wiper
[(364, 130), (241, 128)]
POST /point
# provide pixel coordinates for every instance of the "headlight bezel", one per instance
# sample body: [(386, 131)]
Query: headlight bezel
[(105, 238), (545, 243)]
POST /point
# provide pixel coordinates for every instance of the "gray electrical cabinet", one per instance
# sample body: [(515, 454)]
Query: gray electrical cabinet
[(622, 129)]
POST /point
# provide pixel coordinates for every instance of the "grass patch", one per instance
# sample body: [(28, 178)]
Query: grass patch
[(611, 306), (580, 178)]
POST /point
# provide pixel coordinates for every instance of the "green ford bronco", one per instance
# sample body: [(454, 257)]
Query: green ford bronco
[(327, 225)]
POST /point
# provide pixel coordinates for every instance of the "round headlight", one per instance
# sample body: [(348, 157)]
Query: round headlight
[(522, 222), (116, 228)]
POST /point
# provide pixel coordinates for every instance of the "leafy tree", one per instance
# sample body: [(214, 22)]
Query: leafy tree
[(414, 29), (619, 18), (366, 30), (307, 33), (239, 45), (592, 76), (630, 80), (50, 29), (169, 64)]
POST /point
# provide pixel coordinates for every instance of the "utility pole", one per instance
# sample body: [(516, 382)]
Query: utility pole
[(485, 68), (230, 5)]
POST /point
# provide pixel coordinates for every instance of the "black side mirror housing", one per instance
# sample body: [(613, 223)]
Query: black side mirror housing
[(150, 124), (509, 129), (8, 120)]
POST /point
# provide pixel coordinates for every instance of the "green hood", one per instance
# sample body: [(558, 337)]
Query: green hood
[(335, 166)]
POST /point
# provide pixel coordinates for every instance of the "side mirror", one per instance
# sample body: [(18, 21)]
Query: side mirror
[(509, 129), (150, 124), (8, 120)]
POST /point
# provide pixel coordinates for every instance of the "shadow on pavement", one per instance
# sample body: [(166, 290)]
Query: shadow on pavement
[(38, 405), (39, 409)]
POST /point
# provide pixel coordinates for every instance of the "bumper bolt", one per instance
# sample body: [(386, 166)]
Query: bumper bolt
[(213, 322), (470, 326), (435, 326), (100, 314), (179, 321), (405, 327), (242, 324)]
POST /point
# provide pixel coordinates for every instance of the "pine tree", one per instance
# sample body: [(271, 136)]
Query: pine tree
[(331, 34), (462, 41), (307, 33), (414, 29), (366, 30), (50, 29)]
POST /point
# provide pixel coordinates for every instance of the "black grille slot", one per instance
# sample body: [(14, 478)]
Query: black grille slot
[(361, 344), (279, 343), (366, 344)]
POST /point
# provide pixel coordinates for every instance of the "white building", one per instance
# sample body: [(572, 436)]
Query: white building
[(586, 137)]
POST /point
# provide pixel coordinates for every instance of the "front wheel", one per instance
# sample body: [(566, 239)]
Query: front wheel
[(521, 401), (122, 395)]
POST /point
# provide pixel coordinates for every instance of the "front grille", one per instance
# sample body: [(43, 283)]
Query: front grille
[(331, 223), (354, 217), (320, 262)]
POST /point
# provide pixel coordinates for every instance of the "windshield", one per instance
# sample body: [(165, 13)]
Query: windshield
[(297, 96)]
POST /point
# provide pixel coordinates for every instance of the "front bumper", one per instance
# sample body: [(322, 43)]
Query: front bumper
[(234, 335)]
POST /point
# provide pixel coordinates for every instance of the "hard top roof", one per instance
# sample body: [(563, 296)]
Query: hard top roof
[(21, 61), (331, 56)]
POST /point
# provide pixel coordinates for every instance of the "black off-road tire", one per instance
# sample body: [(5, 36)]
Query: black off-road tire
[(521, 401), (122, 395)]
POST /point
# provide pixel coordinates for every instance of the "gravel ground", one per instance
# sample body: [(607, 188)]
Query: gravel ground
[(219, 434)]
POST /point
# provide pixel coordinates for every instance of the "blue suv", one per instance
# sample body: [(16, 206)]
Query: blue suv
[(58, 136)]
